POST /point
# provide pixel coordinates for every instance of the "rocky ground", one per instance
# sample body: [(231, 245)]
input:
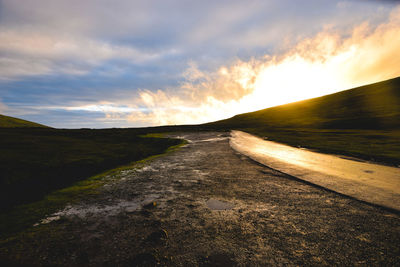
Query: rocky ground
[(207, 205)]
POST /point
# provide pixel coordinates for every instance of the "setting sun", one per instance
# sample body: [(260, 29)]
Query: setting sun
[(292, 80)]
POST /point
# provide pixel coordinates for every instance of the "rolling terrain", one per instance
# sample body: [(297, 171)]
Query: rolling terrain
[(203, 204), (362, 122), (370, 107), (11, 122)]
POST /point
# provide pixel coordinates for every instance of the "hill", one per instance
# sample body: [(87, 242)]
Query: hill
[(363, 122), (375, 106), (11, 122)]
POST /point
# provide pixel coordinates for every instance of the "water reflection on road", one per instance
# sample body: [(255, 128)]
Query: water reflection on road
[(374, 183)]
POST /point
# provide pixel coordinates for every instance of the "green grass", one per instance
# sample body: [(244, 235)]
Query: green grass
[(10, 122), (20, 219), (362, 122), (43, 169), (36, 161)]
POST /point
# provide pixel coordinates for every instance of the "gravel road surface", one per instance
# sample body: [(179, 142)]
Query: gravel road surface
[(207, 205)]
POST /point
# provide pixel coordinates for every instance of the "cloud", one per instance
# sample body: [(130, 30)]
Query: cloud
[(3, 107), (73, 38), (326, 63), (27, 54), (167, 62)]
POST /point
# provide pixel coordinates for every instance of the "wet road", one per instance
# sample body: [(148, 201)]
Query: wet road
[(207, 205), (373, 183)]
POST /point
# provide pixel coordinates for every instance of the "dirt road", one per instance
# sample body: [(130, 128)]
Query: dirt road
[(207, 205)]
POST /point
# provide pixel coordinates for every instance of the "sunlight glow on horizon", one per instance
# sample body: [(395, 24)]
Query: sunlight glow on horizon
[(329, 61), (297, 78), (325, 64), (291, 81)]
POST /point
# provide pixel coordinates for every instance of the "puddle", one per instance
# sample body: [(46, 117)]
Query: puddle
[(373, 183), (48, 220), (214, 139), (215, 204), (85, 211), (82, 212), (146, 169)]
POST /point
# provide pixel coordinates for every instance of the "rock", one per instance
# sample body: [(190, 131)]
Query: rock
[(150, 205)]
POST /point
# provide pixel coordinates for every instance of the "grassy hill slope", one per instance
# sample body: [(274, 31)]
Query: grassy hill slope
[(375, 106), (11, 122), (363, 122)]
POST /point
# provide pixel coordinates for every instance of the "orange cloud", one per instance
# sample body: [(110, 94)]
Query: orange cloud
[(324, 64)]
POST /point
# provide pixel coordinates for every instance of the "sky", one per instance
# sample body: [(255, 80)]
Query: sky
[(129, 63)]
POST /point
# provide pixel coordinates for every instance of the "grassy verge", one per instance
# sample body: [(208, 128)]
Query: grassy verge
[(35, 162), (22, 217)]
